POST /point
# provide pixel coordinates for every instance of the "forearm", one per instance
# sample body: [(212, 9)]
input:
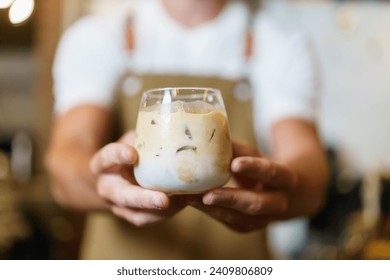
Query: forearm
[(76, 136), (73, 184), (312, 176), (298, 147)]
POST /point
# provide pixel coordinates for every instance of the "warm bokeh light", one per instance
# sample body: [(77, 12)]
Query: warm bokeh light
[(5, 3), (21, 10)]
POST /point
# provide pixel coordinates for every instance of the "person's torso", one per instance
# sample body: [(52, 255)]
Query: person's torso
[(189, 234)]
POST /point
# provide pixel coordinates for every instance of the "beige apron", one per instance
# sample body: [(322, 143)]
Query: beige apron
[(190, 234)]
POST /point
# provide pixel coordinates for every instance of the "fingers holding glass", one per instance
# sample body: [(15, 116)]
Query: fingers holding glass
[(267, 172)]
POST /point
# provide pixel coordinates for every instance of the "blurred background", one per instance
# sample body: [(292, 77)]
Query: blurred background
[(353, 43)]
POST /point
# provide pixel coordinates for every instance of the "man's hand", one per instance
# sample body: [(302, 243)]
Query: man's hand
[(113, 166), (258, 193)]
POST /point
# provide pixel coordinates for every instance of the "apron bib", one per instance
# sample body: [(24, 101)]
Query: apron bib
[(190, 234)]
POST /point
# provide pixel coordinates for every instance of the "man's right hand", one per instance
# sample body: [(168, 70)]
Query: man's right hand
[(113, 165)]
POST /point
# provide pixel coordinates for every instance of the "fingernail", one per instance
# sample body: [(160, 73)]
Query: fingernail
[(125, 155), (159, 202), (236, 165), (209, 198)]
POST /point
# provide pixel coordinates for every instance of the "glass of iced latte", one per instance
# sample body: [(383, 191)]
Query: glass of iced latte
[(183, 140)]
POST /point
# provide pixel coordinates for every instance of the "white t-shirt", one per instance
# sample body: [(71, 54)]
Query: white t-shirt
[(92, 56)]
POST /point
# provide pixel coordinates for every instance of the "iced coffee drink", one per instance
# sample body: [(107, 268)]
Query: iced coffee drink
[(183, 141)]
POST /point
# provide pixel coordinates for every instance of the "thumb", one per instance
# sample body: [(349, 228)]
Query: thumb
[(128, 138)]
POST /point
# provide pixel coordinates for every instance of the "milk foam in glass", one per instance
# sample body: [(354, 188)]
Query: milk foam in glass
[(183, 140)]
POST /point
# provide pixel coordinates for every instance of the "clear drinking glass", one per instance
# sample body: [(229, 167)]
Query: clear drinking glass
[(183, 140)]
